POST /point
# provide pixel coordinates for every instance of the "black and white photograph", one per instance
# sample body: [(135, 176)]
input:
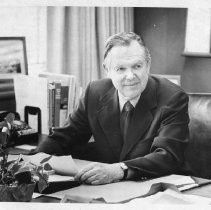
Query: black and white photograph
[(105, 105), (13, 55)]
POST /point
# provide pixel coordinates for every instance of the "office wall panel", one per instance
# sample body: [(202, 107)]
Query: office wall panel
[(163, 30)]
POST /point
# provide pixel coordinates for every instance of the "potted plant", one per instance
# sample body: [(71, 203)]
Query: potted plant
[(17, 178)]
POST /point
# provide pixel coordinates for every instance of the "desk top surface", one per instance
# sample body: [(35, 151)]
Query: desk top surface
[(131, 188), (117, 190)]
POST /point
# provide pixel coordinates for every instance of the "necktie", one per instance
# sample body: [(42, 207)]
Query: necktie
[(125, 118)]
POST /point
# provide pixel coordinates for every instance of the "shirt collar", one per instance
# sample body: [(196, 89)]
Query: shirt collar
[(123, 100)]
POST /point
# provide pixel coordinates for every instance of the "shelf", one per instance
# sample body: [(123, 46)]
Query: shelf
[(197, 54)]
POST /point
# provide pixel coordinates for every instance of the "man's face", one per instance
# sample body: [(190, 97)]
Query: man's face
[(128, 70)]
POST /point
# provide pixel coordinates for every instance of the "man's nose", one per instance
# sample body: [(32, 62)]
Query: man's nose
[(130, 74)]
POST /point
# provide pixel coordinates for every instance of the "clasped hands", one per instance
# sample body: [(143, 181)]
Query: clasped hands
[(100, 173)]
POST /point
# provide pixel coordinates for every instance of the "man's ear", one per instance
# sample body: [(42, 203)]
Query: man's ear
[(105, 68), (148, 70), (148, 67)]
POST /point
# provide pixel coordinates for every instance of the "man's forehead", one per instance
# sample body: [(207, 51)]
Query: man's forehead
[(127, 52), (133, 60)]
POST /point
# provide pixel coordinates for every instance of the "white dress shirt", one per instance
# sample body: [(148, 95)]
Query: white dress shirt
[(123, 100)]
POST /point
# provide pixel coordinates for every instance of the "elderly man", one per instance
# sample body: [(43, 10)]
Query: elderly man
[(139, 122)]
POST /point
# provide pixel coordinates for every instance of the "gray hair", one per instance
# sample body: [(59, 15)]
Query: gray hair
[(124, 39)]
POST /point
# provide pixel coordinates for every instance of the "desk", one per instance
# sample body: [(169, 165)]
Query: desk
[(86, 190), (16, 151)]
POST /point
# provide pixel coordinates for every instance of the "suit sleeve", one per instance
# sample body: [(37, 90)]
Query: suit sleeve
[(75, 133), (167, 150)]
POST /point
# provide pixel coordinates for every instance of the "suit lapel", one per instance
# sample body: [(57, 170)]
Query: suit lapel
[(108, 116), (142, 118)]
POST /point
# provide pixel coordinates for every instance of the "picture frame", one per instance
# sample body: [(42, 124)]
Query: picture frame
[(13, 57)]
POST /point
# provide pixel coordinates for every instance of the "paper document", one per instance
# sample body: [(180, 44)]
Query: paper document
[(121, 191), (187, 186), (25, 146), (63, 165), (182, 180), (32, 91), (59, 178), (169, 197), (36, 195)]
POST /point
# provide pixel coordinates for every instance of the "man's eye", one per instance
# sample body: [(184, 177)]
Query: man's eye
[(120, 69), (138, 66)]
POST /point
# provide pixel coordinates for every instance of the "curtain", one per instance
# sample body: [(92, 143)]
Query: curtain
[(76, 38)]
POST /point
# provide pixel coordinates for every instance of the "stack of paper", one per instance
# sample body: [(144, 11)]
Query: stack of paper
[(122, 191), (32, 91)]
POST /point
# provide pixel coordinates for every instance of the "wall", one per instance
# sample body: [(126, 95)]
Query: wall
[(163, 30), (29, 22)]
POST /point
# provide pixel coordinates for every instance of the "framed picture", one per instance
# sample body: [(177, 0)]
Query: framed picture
[(13, 59)]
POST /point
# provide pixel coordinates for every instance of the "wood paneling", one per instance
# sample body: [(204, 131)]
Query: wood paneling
[(163, 30)]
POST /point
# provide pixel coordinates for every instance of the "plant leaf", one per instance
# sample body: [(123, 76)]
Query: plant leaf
[(10, 118), (43, 182), (47, 167), (14, 167), (23, 176), (23, 168), (45, 159), (39, 168), (3, 138), (3, 124)]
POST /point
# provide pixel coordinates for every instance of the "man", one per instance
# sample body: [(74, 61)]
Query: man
[(145, 139)]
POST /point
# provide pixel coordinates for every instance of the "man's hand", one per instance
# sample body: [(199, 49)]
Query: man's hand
[(100, 173)]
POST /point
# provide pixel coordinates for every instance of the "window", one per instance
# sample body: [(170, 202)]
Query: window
[(198, 27)]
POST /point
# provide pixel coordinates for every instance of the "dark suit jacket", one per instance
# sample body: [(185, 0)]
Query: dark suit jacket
[(157, 135)]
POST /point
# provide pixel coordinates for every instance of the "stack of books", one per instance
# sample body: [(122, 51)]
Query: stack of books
[(57, 95), (63, 97)]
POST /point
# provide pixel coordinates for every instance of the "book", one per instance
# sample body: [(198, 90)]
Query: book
[(54, 98), (75, 93), (51, 93), (57, 101), (70, 93), (64, 105)]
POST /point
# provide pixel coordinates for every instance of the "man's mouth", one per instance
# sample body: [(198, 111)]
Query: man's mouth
[(132, 84)]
